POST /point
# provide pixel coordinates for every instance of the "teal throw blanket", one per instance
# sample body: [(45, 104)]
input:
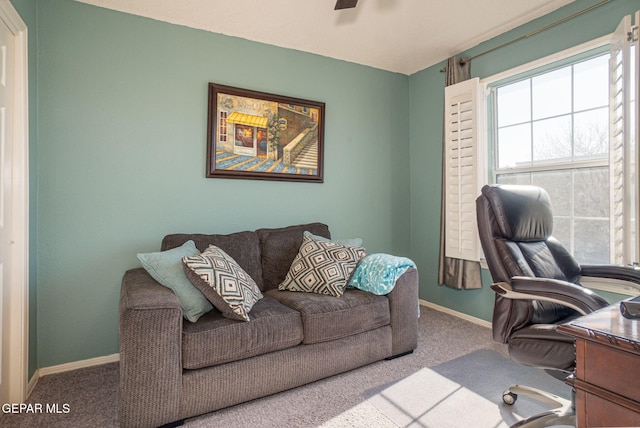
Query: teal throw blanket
[(377, 273)]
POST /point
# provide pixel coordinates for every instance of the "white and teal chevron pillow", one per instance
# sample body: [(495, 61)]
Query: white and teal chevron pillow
[(223, 282), (322, 267)]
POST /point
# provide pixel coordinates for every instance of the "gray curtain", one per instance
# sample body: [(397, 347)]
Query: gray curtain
[(455, 273)]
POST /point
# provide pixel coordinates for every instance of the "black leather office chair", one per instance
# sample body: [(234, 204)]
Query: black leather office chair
[(537, 285)]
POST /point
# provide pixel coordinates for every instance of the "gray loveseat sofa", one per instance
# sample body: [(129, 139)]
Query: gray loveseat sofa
[(172, 369)]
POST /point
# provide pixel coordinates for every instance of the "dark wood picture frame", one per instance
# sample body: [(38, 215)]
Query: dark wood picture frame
[(261, 136)]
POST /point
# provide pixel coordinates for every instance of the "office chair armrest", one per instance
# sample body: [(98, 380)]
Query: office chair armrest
[(565, 293), (617, 272)]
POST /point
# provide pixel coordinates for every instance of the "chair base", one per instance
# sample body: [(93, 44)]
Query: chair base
[(563, 412)]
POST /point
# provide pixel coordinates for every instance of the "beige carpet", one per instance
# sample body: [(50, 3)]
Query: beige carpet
[(454, 379)]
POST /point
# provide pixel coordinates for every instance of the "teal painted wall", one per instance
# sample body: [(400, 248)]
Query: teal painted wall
[(426, 89), (122, 108)]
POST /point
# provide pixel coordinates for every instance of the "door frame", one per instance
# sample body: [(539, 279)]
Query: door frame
[(19, 285)]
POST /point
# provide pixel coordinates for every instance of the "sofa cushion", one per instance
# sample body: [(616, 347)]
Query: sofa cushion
[(243, 247), (223, 282), (280, 246), (322, 267), (327, 318), (166, 268), (215, 339)]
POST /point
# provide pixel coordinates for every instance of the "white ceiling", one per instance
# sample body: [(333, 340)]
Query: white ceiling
[(402, 36)]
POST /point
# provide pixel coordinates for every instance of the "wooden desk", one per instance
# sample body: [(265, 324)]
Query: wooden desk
[(607, 375)]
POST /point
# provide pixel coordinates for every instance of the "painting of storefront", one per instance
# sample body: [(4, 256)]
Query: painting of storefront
[(250, 134), (264, 136)]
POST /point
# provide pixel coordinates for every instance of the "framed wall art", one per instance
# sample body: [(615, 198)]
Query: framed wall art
[(255, 135)]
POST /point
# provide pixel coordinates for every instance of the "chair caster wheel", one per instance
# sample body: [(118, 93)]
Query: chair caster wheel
[(509, 398)]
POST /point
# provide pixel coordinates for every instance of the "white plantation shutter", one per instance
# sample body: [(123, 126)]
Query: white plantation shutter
[(623, 128), (462, 131)]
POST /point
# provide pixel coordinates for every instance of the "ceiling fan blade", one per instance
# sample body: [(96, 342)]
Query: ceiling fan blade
[(345, 4)]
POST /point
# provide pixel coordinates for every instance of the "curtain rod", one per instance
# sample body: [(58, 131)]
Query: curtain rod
[(533, 33)]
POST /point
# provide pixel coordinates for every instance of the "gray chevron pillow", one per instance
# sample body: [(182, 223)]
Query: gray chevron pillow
[(322, 267), (223, 282)]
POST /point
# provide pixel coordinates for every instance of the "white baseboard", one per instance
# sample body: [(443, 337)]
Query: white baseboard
[(45, 371), (60, 368), (32, 384), (456, 313)]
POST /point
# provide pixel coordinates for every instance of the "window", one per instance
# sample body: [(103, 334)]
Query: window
[(568, 124), (552, 130), (222, 132)]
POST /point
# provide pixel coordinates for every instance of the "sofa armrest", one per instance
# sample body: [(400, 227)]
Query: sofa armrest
[(150, 324), (403, 306)]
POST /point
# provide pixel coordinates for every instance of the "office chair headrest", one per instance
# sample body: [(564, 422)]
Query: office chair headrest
[(523, 213)]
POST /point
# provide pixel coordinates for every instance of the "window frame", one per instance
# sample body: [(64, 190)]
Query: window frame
[(530, 69), (489, 86), (487, 172), (571, 58)]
